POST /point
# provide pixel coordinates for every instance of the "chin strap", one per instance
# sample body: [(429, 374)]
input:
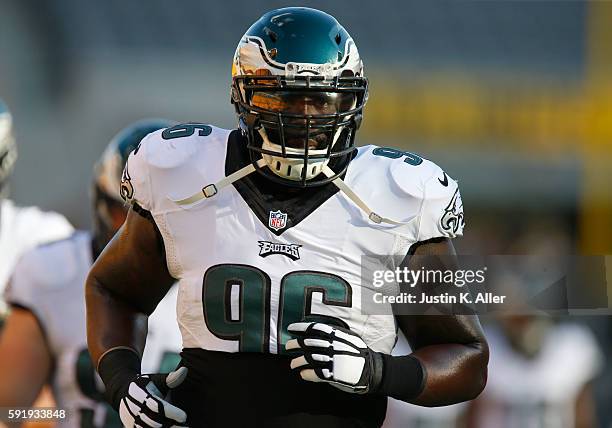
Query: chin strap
[(212, 189), (340, 184)]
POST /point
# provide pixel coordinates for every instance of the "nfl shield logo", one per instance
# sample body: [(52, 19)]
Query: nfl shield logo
[(277, 220)]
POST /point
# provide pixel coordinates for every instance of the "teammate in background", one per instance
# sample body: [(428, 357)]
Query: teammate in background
[(541, 375), (264, 228), (20, 228), (45, 340), (542, 369)]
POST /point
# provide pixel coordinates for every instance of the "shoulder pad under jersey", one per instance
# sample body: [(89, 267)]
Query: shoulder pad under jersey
[(176, 160), (47, 268), (403, 185)]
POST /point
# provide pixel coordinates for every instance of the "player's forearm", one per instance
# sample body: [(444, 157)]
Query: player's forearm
[(13, 390), (23, 355), (111, 321), (452, 373)]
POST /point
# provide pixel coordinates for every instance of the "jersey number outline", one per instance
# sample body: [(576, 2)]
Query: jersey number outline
[(391, 153), (186, 130), (236, 303)]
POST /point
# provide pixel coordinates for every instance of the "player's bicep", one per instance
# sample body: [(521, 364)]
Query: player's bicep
[(424, 330), (133, 266)]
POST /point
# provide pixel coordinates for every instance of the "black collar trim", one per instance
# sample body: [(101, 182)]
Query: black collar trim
[(264, 196)]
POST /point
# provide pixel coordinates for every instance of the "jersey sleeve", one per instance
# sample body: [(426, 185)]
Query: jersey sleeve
[(53, 226), (26, 228), (582, 352), (48, 281), (35, 227), (166, 168), (135, 180), (23, 289), (442, 208)]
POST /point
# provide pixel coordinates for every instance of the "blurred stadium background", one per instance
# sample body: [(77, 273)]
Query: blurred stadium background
[(513, 98)]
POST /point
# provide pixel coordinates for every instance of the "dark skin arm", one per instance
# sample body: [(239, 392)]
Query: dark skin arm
[(124, 286), (451, 348)]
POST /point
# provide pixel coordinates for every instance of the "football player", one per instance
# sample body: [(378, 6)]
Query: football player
[(542, 375), (21, 228), (45, 340), (264, 227)]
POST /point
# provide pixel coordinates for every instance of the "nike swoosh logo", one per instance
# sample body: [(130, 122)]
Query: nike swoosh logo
[(445, 181)]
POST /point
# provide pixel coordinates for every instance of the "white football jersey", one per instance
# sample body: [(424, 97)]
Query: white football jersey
[(539, 391), (22, 228), (49, 281), (248, 266)]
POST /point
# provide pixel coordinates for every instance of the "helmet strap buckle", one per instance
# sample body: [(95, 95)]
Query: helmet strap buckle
[(209, 191)]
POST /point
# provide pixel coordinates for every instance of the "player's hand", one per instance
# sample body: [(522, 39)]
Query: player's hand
[(144, 404), (334, 355)]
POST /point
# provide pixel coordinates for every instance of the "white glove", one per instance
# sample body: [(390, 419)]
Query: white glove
[(334, 355), (145, 406)]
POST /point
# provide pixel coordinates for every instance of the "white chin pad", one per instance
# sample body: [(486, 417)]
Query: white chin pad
[(291, 168)]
